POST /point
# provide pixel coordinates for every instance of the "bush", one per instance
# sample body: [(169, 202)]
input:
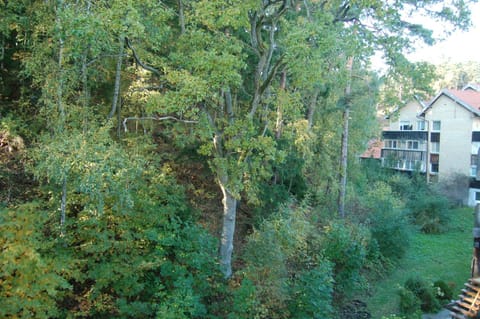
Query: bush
[(430, 212), (312, 293), (346, 246), (418, 292), (285, 275), (390, 229), (383, 212), (443, 290), (409, 303)]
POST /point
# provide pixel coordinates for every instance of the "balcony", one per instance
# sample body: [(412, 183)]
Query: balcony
[(407, 160), (405, 135)]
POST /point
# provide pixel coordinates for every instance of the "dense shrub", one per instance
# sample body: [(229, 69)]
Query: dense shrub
[(387, 221), (444, 291), (418, 293), (346, 246), (30, 280), (311, 294), (409, 304), (430, 213), (285, 274)]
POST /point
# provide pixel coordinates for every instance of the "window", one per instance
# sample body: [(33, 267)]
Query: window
[(434, 168), (473, 170), (412, 145), (474, 159), (436, 125), (390, 144), (477, 196), (435, 147), (405, 126), (421, 125)]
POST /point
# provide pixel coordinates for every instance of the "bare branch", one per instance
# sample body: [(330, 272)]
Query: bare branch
[(147, 88), (154, 118), (139, 62)]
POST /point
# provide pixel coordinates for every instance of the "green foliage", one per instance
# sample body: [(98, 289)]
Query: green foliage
[(245, 301), (456, 75), (286, 275), (312, 292), (418, 294), (430, 213), (410, 304), (31, 279), (387, 220), (262, 85), (346, 245), (444, 291)]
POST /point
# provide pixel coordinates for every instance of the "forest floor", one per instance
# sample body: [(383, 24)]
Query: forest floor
[(445, 256)]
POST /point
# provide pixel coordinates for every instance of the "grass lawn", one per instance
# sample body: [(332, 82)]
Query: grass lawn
[(444, 257)]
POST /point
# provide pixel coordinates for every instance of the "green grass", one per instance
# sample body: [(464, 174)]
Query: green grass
[(444, 257)]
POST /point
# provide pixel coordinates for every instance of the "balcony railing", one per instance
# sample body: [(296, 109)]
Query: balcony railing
[(405, 135), (409, 160)]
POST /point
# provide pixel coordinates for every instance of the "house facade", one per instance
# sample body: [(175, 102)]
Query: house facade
[(440, 138)]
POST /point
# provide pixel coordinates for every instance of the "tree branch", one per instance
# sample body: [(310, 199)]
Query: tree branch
[(139, 62), (154, 118)]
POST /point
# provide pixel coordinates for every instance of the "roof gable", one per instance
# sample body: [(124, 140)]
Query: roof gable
[(472, 86), (469, 99)]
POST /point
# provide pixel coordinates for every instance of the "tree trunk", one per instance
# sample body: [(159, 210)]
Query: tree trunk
[(229, 214), (311, 108), (181, 16), (343, 165), (343, 158), (118, 73), (63, 207), (279, 121), (60, 106)]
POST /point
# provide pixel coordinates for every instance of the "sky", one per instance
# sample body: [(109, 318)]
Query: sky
[(460, 46)]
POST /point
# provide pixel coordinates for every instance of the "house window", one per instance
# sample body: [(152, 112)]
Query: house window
[(434, 168), (435, 147), (405, 126), (477, 196), (412, 145), (421, 125), (436, 125), (390, 144), (473, 170)]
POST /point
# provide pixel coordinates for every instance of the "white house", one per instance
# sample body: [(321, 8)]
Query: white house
[(440, 138)]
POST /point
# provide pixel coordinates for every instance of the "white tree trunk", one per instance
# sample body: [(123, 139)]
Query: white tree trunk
[(63, 207), (229, 214), (343, 165), (344, 155), (118, 74)]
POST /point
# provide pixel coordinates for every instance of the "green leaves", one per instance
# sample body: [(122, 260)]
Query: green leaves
[(30, 280)]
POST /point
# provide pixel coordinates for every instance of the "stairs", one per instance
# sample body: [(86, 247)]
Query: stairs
[(468, 304)]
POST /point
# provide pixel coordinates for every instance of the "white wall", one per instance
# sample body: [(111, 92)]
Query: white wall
[(471, 197), (455, 136), (408, 112)]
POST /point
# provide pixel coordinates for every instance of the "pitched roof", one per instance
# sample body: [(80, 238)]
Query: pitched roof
[(469, 99), (472, 86), (374, 149)]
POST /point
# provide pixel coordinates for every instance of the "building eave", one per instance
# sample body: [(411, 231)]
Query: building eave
[(453, 98)]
